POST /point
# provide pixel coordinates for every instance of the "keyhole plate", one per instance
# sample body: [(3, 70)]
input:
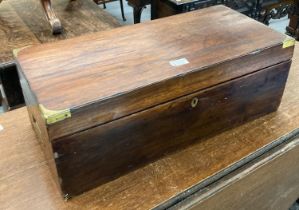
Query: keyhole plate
[(194, 102)]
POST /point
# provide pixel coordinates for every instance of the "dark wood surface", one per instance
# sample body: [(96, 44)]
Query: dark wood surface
[(27, 183), (155, 44), (85, 117), (103, 153), (93, 153), (143, 67)]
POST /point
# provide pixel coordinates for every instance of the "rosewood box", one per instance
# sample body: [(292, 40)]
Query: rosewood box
[(106, 103)]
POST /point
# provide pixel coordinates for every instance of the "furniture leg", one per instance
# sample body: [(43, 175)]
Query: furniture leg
[(137, 14), (154, 9), (138, 6), (122, 10), (99, 2), (51, 17)]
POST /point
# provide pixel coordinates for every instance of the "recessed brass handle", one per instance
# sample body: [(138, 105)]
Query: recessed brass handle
[(194, 102)]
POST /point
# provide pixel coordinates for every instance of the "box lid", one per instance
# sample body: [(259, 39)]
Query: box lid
[(94, 79)]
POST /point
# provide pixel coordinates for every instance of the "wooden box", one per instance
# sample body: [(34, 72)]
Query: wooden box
[(106, 103)]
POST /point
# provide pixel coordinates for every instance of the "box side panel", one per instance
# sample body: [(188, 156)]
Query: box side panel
[(100, 154), (152, 95), (38, 125)]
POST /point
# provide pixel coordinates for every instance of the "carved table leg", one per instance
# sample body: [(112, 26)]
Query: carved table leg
[(51, 17)]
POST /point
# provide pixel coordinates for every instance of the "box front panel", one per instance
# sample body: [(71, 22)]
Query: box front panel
[(100, 154)]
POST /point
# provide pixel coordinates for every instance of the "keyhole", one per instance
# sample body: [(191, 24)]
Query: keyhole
[(194, 102)]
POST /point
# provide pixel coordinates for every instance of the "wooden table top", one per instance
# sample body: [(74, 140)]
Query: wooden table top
[(25, 181), (23, 23)]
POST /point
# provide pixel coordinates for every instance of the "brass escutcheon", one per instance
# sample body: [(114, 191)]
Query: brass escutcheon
[(194, 102)]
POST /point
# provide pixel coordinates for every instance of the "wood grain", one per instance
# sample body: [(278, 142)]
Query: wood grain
[(225, 51), (13, 32), (267, 183), (77, 17), (137, 100), (20, 26), (27, 183), (139, 64), (92, 157)]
